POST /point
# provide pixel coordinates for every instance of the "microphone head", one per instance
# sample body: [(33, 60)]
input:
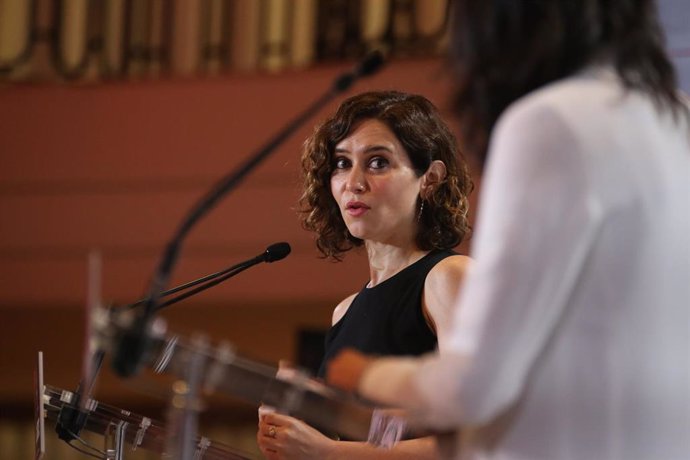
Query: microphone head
[(371, 63), (276, 251)]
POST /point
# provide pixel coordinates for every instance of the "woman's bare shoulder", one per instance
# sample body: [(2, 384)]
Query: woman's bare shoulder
[(442, 289), (449, 270)]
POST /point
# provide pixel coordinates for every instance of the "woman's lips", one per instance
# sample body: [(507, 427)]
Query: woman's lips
[(356, 208)]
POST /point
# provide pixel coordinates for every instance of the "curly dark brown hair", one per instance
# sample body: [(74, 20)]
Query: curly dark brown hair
[(418, 126)]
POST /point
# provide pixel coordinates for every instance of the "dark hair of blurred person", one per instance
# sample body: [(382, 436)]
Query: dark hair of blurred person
[(504, 50)]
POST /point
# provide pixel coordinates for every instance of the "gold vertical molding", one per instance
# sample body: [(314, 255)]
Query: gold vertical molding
[(185, 46), (374, 21), (244, 49), (113, 36), (430, 19), (73, 33), (429, 16), (303, 37), (14, 33), (275, 35)]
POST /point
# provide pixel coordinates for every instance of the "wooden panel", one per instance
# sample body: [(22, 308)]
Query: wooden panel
[(114, 167)]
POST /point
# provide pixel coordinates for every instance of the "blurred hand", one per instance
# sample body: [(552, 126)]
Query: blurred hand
[(346, 369), (281, 437)]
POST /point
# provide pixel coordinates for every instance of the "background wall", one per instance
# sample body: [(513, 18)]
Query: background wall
[(113, 168), (115, 117)]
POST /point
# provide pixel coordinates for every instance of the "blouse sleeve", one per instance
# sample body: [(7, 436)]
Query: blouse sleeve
[(536, 224)]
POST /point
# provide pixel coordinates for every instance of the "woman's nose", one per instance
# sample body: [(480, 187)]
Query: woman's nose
[(355, 182)]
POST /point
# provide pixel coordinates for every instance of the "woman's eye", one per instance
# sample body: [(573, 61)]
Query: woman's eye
[(341, 163), (378, 162)]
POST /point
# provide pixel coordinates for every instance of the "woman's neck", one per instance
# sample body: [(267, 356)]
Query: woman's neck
[(387, 260)]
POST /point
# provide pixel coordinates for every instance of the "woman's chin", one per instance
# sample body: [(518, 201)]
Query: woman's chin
[(359, 235), (358, 232)]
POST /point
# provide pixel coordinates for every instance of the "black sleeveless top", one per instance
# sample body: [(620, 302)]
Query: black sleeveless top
[(387, 319)]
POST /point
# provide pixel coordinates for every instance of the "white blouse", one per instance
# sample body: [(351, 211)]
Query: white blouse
[(572, 336)]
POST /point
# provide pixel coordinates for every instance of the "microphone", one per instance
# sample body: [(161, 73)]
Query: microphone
[(276, 252), (128, 356), (72, 419), (273, 253)]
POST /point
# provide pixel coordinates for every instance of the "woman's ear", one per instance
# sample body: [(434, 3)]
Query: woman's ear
[(433, 177)]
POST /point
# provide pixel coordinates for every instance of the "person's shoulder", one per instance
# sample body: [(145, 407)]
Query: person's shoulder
[(340, 309), (441, 289), (449, 270), (583, 93), (551, 120)]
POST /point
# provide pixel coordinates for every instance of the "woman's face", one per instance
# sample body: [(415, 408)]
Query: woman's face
[(375, 185)]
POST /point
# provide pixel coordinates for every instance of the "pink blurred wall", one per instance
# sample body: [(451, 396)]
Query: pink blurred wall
[(114, 167)]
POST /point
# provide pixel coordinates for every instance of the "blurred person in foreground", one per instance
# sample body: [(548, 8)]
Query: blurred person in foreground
[(571, 339), (383, 173)]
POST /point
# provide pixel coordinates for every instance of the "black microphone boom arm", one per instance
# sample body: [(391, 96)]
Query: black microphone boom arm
[(273, 253), (127, 359)]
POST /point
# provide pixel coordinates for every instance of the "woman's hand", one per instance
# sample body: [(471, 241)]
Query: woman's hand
[(346, 369), (281, 437)]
